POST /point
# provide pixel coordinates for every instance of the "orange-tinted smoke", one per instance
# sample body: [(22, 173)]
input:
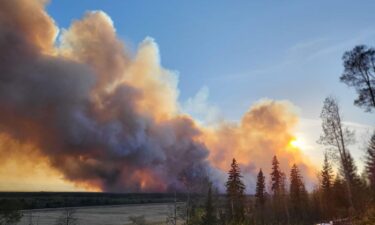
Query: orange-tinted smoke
[(102, 119), (264, 131)]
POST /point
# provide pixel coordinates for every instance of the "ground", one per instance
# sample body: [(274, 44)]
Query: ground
[(102, 215)]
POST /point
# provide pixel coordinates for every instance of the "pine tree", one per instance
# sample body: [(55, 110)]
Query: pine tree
[(209, 217), (280, 209), (297, 193), (370, 163), (326, 188), (260, 195), (275, 176), (235, 193)]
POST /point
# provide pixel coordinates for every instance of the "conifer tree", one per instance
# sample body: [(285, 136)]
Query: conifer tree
[(351, 170), (275, 176), (235, 194), (370, 164), (326, 186), (280, 209), (209, 217), (298, 194), (355, 182), (260, 195)]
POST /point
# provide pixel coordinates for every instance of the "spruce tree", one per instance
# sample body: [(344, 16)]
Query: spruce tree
[(280, 209), (358, 187), (209, 218), (235, 193), (351, 170), (275, 176), (326, 188), (370, 163), (299, 201), (260, 195), (296, 192)]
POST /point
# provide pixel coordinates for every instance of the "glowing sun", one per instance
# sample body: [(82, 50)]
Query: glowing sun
[(297, 143)]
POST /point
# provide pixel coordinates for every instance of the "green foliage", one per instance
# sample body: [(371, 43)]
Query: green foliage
[(196, 216)]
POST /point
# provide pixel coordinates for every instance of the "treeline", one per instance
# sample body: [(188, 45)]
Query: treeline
[(345, 196), (289, 202), (42, 200)]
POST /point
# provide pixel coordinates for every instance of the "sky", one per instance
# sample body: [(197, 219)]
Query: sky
[(231, 54)]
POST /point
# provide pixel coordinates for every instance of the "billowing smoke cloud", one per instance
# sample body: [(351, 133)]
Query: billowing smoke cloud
[(109, 121), (266, 130), (100, 117)]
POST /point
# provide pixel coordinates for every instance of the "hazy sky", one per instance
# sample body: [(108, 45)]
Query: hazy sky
[(230, 54)]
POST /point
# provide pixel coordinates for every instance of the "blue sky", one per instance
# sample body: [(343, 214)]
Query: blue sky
[(242, 51)]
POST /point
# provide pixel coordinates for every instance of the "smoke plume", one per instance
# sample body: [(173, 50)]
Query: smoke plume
[(106, 120), (266, 130)]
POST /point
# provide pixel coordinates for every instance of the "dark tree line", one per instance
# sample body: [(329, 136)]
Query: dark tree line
[(290, 203)]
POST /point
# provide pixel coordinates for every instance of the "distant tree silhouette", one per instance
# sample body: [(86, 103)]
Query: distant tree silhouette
[(298, 195), (235, 194), (275, 176), (326, 186), (337, 138), (280, 209), (260, 195), (209, 217), (359, 72), (370, 164)]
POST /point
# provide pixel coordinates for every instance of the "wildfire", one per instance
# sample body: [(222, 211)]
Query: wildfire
[(105, 119)]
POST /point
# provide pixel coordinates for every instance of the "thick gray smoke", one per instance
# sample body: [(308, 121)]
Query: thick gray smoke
[(102, 118), (108, 120)]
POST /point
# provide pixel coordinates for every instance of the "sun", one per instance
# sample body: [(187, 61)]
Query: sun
[(297, 143)]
